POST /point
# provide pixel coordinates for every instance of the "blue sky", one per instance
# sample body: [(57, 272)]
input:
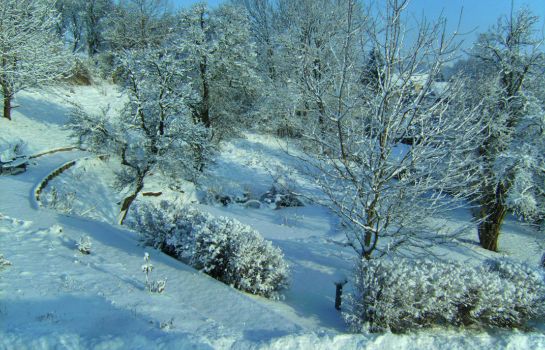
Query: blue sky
[(478, 15), (182, 3)]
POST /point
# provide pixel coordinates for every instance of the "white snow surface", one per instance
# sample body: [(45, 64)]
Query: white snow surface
[(54, 297)]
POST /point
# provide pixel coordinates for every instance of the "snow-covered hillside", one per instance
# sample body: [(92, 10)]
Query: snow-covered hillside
[(53, 296)]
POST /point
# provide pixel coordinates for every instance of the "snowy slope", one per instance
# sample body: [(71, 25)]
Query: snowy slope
[(52, 296), (39, 117), (53, 291)]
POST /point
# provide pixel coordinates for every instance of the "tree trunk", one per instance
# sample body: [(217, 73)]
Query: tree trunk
[(270, 62), (7, 102), (203, 67), (128, 201), (205, 108), (492, 214), (370, 240)]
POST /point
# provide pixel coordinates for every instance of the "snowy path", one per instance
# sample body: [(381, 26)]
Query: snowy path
[(18, 191), (52, 294)]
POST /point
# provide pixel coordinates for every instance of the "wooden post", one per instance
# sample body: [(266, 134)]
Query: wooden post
[(339, 283)]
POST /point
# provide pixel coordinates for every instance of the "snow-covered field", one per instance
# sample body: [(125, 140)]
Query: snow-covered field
[(53, 296)]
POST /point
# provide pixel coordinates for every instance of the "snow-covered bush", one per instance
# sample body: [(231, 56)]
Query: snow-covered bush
[(4, 262), (281, 197), (84, 245), (223, 248), (11, 149), (237, 255), (167, 227), (80, 73), (404, 294)]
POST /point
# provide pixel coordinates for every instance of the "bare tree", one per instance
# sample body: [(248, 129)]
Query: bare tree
[(70, 26), (94, 17), (262, 16), (394, 152), (221, 61), (30, 51), (311, 34), (155, 131), (137, 24)]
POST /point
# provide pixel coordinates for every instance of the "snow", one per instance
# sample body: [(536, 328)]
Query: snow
[(53, 296), (41, 115), (94, 199), (7, 155)]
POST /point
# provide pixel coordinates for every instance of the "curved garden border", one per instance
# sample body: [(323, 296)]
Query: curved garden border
[(56, 150), (45, 181)]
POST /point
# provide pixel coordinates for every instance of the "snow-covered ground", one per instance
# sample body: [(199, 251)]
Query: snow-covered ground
[(53, 296)]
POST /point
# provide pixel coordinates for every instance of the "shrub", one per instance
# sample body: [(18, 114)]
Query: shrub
[(4, 262), (281, 198), (166, 227), (84, 245), (237, 255), (80, 73), (404, 294), (11, 149), (152, 286), (223, 248)]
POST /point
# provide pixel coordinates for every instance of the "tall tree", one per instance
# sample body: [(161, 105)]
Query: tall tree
[(137, 24), (263, 23), (30, 51), (511, 145), (372, 71), (71, 26), (221, 61), (383, 189), (308, 36), (155, 131), (94, 17), (83, 23)]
